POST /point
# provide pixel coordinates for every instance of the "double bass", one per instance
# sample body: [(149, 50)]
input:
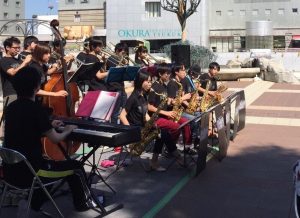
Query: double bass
[(61, 106)]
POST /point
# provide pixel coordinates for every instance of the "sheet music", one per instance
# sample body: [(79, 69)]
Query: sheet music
[(103, 105)]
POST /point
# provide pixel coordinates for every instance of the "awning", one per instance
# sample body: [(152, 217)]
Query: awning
[(296, 37)]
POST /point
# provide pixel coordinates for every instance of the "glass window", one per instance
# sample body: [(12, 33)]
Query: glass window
[(18, 29), (152, 9), (5, 2), (5, 15), (77, 18), (255, 12), (279, 41), (84, 1), (281, 11), (69, 1), (230, 12), (18, 16), (295, 10), (268, 11), (5, 28), (18, 4), (219, 13), (242, 12)]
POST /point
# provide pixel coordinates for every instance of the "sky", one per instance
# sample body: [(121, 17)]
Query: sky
[(40, 7)]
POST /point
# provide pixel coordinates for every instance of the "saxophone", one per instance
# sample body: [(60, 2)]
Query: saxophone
[(177, 107), (193, 104), (207, 101), (147, 133)]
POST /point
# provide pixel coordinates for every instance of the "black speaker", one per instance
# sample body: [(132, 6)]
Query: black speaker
[(180, 54)]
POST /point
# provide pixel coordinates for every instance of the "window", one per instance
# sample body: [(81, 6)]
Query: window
[(5, 28), (5, 15), (242, 12), (219, 13), (281, 11), (268, 11), (295, 10), (279, 42), (69, 1), (255, 12), (84, 1), (152, 9), (18, 4), (17, 16), (5, 2), (230, 12), (77, 18)]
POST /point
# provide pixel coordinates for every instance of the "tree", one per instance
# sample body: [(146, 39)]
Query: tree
[(179, 7)]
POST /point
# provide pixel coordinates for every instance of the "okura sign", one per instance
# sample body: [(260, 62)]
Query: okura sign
[(149, 33)]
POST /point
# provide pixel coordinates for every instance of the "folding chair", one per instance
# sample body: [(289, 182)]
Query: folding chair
[(9, 157)]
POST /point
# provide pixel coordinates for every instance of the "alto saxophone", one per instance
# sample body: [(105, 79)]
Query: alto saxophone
[(148, 134), (177, 107), (193, 104), (204, 104)]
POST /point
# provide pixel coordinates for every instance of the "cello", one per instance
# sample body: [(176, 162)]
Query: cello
[(61, 106)]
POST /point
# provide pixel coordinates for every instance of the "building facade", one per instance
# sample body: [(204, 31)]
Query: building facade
[(223, 26), (11, 10), (82, 18)]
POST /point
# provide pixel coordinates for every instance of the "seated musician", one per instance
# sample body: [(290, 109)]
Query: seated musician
[(55, 57), (167, 115), (83, 54), (135, 113), (40, 58), (26, 123), (141, 56)]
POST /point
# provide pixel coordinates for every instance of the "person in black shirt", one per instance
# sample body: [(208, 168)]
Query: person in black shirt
[(29, 45), (10, 66), (136, 113), (113, 61), (213, 70), (26, 123), (141, 56)]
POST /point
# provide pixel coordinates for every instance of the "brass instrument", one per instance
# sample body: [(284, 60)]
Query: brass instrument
[(208, 101), (125, 58), (148, 134), (177, 107), (194, 103)]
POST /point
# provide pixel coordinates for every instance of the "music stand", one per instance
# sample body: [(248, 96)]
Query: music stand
[(121, 74), (181, 127)]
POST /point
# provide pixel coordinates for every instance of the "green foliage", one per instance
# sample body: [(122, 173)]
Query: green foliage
[(199, 54)]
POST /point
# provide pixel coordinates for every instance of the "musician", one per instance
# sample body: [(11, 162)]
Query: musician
[(166, 115), (26, 123), (213, 70), (55, 57), (141, 56), (135, 113), (83, 54), (114, 61), (40, 58), (10, 66), (29, 45), (97, 81)]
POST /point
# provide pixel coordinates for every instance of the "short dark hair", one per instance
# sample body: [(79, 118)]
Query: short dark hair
[(94, 42), (213, 65), (120, 47), (163, 68), (140, 50), (194, 71), (177, 67), (9, 42), (26, 80), (141, 76), (30, 39)]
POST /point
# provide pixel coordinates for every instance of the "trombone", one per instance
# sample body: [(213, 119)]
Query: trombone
[(126, 57)]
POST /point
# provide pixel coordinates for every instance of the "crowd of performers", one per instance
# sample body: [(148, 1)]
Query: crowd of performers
[(25, 74)]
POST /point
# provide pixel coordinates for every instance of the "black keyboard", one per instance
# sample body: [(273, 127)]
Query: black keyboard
[(100, 133)]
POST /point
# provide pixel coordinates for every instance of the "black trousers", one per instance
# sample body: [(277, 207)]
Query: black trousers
[(165, 138), (20, 176)]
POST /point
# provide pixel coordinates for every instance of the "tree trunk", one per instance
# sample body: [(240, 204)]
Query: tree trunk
[(183, 35)]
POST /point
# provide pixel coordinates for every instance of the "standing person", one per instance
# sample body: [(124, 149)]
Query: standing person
[(26, 123), (113, 61), (29, 45), (40, 58), (136, 113), (10, 66), (166, 115)]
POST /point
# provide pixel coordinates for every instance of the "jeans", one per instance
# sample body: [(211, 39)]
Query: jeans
[(195, 125)]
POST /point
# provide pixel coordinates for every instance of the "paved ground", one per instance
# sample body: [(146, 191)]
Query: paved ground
[(254, 180)]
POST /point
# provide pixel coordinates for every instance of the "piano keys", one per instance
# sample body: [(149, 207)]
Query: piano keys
[(99, 133)]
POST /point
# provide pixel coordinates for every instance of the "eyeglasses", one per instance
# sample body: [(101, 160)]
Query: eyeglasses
[(16, 47)]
